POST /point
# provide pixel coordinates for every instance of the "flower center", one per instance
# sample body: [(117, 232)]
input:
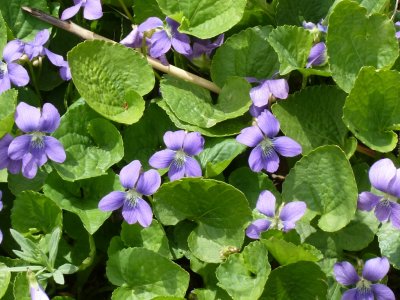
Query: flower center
[(180, 158), (364, 286), (37, 140), (267, 146), (3, 69), (132, 197)]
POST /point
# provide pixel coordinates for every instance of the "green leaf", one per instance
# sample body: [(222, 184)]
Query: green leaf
[(53, 245), (5, 276), (218, 154), (287, 253), (293, 45), (111, 78), (138, 143), (371, 110), (17, 183), (3, 39), (193, 104), (252, 184), (92, 144), (21, 287), (34, 211), (372, 42), (246, 54), (295, 12), (204, 19), (144, 274), (144, 9), (82, 197), (298, 281), (220, 211), (23, 25), (152, 237), (8, 101), (325, 181), (313, 120), (374, 6), (243, 275), (226, 128), (389, 243)]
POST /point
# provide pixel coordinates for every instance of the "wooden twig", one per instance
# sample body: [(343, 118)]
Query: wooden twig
[(89, 35)]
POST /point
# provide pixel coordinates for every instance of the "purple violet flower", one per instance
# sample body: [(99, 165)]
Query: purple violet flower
[(262, 136), (397, 32), (205, 47), (137, 183), (36, 47), (13, 166), (384, 177), (1, 208), (285, 220), (165, 37), (35, 147), (92, 10), (374, 270), (178, 157), (255, 111), (134, 39), (315, 27), (35, 290), (318, 55), (58, 60), (267, 88), (10, 71)]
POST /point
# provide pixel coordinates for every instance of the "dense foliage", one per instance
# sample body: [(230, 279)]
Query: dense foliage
[(213, 149)]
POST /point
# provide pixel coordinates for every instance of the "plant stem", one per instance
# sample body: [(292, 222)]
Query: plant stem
[(395, 9), (128, 14), (34, 81), (88, 35)]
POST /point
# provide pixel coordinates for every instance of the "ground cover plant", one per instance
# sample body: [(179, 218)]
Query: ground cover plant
[(213, 149)]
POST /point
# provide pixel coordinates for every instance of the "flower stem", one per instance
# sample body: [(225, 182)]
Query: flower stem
[(34, 81), (128, 14), (88, 35), (396, 5)]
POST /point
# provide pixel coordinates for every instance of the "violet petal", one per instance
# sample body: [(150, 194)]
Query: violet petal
[(27, 117), (266, 203), (54, 149), (192, 167), (256, 159), (49, 119), (150, 23), (383, 210), (181, 43), (394, 185), (293, 211), (278, 87), (382, 292), (367, 201), (29, 166), (395, 215), (162, 159), (286, 146), (17, 74), (160, 43), (176, 171), (19, 147), (351, 294), (193, 143), (257, 227), (92, 10), (250, 136), (13, 51), (112, 201), (271, 161), (130, 212), (69, 12), (345, 273), (380, 174), (129, 175), (268, 124), (174, 139), (376, 268), (260, 94), (145, 214), (5, 83), (317, 55), (148, 182)]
